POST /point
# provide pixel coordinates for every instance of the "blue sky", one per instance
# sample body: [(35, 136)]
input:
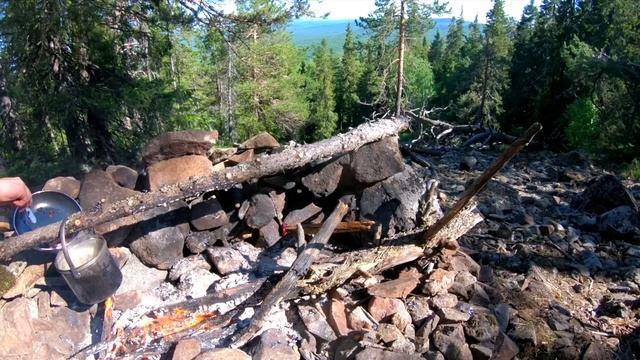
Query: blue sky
[(351, 9)]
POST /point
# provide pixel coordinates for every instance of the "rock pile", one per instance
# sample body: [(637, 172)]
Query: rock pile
[(550, 272)]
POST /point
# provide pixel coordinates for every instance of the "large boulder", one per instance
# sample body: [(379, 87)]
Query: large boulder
[(263, 140), (208, 214), (261, 211), (605, 193), (162, 239), (175, 144), (99, 189), (377, 161), (123, 175), (65, 184), (393, 202), (177, 170), (324, 181), (623, 221)]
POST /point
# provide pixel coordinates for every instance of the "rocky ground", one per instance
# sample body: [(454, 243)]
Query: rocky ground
[(551, 271)]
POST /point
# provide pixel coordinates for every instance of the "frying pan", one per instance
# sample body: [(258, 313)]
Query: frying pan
[(48, 207)]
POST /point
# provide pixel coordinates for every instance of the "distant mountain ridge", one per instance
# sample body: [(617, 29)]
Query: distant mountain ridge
[(310, 32)]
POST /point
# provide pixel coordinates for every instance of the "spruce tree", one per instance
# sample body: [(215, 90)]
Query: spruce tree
[(483, 102), (347, 88), (323, 120), (524, 66)]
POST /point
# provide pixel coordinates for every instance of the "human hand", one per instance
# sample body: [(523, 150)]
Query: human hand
[(13, 190)]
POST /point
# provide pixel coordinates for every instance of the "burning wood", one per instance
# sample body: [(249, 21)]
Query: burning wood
[(159, 329)]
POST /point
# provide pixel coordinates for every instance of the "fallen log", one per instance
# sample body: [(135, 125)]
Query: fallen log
[(381, 258), (298, 269), (130, 211)]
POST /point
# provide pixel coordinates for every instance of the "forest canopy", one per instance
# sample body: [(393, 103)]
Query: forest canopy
[(89, 81)]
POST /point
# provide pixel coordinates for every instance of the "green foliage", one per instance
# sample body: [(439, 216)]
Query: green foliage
[(633, 169), (348, 76), (270, 96), (582, 121), (420, 84), (323, 120), (88, 82)]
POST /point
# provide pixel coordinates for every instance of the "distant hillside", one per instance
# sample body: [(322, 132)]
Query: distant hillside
[(310, 32)]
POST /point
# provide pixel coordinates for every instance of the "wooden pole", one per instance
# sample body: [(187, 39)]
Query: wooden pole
[(430, 238), (298, 269), (399, 80), (290, 158)]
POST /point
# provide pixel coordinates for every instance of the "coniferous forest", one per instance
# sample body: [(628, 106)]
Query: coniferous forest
[(89, 81)]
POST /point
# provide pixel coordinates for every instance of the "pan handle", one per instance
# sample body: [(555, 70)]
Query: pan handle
[(65, 250)]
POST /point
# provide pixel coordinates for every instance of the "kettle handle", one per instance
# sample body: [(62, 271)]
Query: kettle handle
[(65, 250)]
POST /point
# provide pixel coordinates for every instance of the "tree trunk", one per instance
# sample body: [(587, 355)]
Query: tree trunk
[(13, 128), (485, 82), (400, 62)]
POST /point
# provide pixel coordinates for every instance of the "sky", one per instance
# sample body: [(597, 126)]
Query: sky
[(352, 9)]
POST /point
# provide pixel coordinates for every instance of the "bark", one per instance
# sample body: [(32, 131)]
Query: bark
[(131, 210), (376, 260), (400, 61)]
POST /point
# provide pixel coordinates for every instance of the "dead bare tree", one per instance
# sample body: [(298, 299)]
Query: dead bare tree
[(400, 61)]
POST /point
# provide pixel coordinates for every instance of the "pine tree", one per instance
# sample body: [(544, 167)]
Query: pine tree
[(269, 93), (484, 100), (452, 64), (382, 27), (436, 51), (347, 88), (524, 66), (322, 117)]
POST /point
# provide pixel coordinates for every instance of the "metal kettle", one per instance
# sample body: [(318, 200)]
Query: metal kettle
[(87, 266)]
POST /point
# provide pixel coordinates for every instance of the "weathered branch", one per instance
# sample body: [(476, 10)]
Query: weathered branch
[(132, 210), (384, 257), (432, 238)]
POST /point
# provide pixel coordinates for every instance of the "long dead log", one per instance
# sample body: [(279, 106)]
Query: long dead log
[(382, 258), (432, 238), (288, 282), (131, 210)]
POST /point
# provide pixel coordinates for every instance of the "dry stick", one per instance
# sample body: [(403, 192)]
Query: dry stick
[(352, 226), (130, 211), (298, 269), (431, 238)]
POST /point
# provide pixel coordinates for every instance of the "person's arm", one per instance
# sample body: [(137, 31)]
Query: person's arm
[(13, 190)]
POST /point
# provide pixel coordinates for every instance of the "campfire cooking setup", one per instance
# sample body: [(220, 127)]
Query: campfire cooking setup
[(360, 246)]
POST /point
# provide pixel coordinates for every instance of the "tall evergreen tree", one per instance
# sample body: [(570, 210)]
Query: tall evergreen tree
[(350, 71), (322, 117), (382, 27), (270, 96), (452, 62), (436, 50), (524, 66), (484, 100)]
